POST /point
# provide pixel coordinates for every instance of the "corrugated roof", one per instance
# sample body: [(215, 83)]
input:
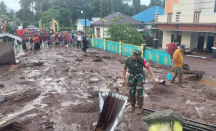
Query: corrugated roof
[(82, 21), (117, 14), (149, 14), (11, 36)]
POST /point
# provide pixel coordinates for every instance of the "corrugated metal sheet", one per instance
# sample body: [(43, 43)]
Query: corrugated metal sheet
[(108, 18), (149, 14), (111, 107)]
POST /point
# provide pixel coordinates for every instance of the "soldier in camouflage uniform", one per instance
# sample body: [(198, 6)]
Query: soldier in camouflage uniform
[(136, 79)]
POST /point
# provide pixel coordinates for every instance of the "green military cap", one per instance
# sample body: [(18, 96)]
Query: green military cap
[(138, 53)]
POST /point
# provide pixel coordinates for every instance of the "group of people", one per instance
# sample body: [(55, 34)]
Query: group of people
[(135, 64), (63, 38), (58, 39)]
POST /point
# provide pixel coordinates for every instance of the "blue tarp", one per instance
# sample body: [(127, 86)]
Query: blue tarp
[(149, 14)]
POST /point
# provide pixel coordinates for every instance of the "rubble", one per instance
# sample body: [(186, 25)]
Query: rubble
[(1, 85), (97, 59)]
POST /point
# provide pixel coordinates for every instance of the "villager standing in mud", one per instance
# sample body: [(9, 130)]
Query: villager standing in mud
[(135, 65), (44, 41), (178, 62), (57, 42), (171, 47), (31, 45), (24, 43), (85, 45)]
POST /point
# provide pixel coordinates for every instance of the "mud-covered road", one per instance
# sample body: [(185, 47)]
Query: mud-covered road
[(62, 94)]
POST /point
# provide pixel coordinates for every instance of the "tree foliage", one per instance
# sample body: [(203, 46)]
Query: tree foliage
[(3, 9), (156, 3), (118, 31), (33, 10)]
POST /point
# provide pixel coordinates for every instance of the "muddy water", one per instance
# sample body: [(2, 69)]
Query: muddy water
[(69, 92)]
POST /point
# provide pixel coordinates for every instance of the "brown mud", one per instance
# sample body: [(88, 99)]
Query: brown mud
[(63, 92)]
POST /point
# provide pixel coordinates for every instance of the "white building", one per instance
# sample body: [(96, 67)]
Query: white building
[(81, 24), (189, 22), (102, 25)]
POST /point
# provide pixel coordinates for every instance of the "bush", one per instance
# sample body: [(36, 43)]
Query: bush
[(118, 31)]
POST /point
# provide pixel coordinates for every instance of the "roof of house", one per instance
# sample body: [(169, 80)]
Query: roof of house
[(82, 21), (94, 19), (149, 14), (117, 14), (11, 36)]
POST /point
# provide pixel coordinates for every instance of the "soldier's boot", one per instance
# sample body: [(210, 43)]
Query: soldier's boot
[(140, 105), (132, 102)]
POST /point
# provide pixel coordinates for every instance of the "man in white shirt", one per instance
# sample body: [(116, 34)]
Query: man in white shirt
[(79, 40)]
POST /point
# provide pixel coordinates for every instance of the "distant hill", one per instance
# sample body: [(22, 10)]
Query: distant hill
[(9, 10)]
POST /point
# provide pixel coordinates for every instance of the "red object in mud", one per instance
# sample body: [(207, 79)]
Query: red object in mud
[(171, 48), (74, 74)]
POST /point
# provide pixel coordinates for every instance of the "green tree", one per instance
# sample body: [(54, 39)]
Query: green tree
[(11, 14), (3, 7), (48, 15), (155, 3), (136, 5), (118, 31), (143, 7)]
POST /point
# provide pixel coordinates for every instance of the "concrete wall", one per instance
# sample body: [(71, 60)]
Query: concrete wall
[(186, 39), (7, 54), (79, 26), (169, 5), (187, 8), (194, 40), (166, 38)]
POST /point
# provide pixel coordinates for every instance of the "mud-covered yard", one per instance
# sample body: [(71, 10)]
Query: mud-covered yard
[(62, 93)]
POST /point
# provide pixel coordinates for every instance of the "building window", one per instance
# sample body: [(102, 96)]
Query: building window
[(177, 16), (196, 16), (169, 17)]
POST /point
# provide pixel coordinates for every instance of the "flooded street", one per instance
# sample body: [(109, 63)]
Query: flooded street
[(62, 93)]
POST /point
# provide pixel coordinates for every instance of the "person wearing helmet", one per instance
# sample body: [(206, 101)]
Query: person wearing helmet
[(136, 78)]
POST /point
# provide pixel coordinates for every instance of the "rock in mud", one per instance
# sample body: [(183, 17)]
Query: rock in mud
[(22, 77), (2, 98), (97, 59), (121, 61), (1, 85), (79, 59), (107, 57), (1, 115), (94, 80)]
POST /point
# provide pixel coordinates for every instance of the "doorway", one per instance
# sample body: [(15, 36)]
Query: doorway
[(98, 33), (201, 40), (210, 43), (178, 42)]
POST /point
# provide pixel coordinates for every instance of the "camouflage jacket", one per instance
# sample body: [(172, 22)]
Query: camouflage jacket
[(135, 67)]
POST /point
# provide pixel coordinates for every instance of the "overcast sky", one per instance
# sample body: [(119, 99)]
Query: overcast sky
[(14, 4)]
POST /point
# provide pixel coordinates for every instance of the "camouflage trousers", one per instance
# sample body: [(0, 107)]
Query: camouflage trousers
[(136, 85)]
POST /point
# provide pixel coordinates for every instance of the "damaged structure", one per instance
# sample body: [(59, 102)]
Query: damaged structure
[(9, 48)]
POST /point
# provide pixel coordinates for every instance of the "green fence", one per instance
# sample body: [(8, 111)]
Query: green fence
[(157, 56)]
